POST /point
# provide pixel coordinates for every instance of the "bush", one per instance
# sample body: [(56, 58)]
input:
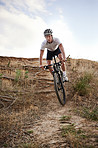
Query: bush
[(82, 84), (26, 74), (65, 118), (18, 75), (90, 114)]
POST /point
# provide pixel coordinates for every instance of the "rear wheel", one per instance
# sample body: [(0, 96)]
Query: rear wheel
[(59, 88)]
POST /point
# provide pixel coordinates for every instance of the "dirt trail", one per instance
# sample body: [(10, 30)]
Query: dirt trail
[(47, 130)]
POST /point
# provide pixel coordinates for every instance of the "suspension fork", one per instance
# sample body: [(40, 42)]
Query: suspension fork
[(54, 59)]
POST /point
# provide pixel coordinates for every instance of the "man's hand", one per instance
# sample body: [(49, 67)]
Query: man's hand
[(41, 66), (63, 60)]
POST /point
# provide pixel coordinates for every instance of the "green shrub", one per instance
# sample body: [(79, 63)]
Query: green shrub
[(68, 129), (26, 74), (30, 131), (1, 75), (18, 75), (90, 114), (65, 118), (29, 145), (5, 145), (75, 137), (1, 80), (82, 84), (8, 65)]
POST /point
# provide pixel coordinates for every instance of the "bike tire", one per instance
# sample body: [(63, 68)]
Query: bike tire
[(59, 88)]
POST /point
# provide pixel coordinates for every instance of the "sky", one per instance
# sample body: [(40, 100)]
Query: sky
[(74, 22)]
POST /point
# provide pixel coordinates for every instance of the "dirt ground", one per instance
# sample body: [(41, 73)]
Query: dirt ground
[(30, 113)]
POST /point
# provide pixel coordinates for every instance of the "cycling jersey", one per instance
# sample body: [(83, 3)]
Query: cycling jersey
[(51, 46)]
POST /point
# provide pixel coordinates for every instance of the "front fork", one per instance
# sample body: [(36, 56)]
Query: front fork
[(60, 75)]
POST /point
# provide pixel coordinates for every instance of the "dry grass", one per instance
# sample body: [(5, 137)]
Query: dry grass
[(29, 145), (77, 138), (73, 136), (12, 124)]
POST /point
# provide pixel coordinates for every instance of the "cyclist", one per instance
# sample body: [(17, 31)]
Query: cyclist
[(54, 47)]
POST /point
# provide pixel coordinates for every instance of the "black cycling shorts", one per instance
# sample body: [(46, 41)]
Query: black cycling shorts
[(51, 54)]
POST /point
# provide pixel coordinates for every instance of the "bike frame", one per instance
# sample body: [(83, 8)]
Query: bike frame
[(55, 65), (57, 72)]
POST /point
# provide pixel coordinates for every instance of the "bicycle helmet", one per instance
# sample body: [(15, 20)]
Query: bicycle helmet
[(48, 32)]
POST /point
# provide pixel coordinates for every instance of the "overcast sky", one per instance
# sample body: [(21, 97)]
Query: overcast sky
[(74, 22)]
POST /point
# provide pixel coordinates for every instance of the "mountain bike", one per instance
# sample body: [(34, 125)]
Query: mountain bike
[(58, 81)]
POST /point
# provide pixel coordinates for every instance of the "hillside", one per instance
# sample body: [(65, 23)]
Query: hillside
[(30, 114)]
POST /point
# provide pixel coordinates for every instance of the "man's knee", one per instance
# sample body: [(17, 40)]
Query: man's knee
[(48, 62), (60, 57), (50, 67)]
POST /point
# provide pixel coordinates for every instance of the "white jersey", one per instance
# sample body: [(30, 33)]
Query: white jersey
[(51, 46)]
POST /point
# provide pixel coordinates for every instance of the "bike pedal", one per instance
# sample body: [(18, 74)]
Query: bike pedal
[(65, 81)]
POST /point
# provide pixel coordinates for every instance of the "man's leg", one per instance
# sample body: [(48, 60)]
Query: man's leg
[(61, 59), (50, 67), (63, 67)]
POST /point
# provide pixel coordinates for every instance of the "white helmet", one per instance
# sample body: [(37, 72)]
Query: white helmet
[(48, 32)]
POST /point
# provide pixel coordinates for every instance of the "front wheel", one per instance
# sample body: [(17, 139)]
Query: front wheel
[(59, 88)]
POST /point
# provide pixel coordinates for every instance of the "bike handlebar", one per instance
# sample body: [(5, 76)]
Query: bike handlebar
[(47, 66)]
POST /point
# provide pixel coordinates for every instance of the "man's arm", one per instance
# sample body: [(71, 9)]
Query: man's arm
[(62, 50), (41, 57)]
